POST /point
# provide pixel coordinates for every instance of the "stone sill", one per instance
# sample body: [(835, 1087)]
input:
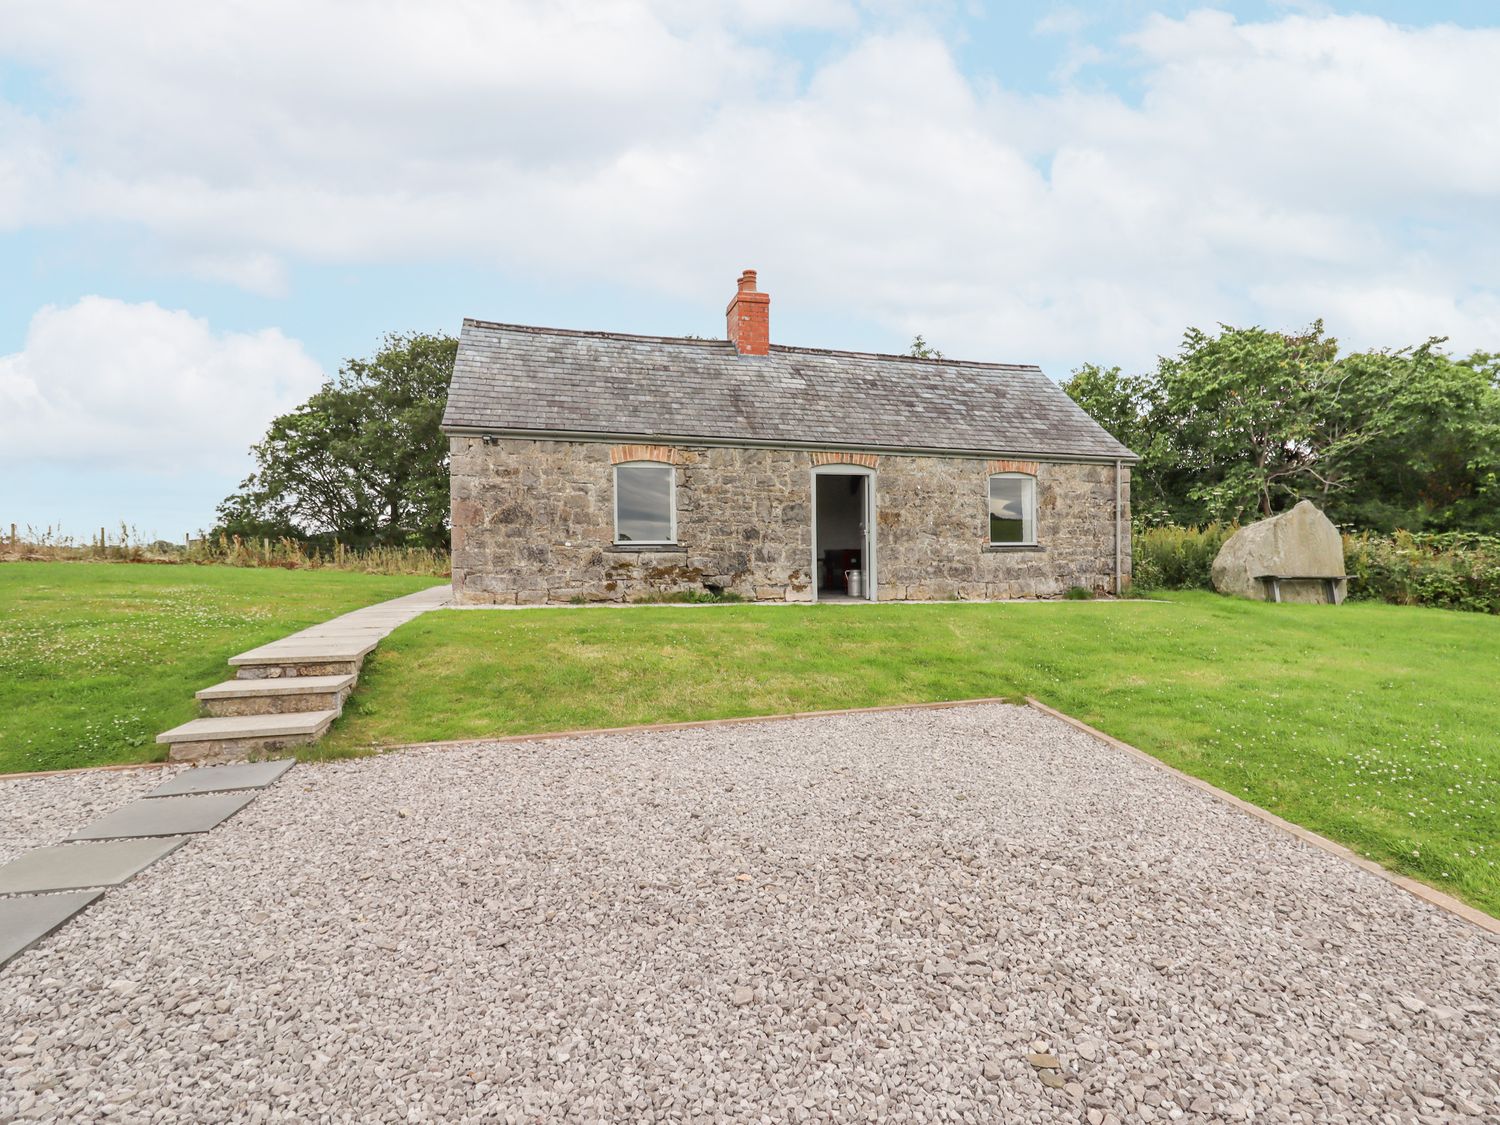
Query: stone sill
[(1000, 548), (647, 548)]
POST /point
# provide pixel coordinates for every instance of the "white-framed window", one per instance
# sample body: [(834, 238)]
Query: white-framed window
[(1012, 510), (645, 502)]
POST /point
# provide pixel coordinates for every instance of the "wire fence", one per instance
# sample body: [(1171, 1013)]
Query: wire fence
[(126, 544)]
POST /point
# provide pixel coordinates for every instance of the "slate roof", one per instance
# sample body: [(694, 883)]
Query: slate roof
[(515, 379)]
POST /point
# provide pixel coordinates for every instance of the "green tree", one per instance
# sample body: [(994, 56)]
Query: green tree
[(1249, 421), (363, 460), (1224, 427), (1129, 407), (1432, 461), (1245, 406)]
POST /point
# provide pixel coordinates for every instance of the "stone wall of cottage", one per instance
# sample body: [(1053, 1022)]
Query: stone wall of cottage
[(533, 522)]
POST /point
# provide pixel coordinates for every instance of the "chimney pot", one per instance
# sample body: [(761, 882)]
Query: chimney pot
[(749, 317)]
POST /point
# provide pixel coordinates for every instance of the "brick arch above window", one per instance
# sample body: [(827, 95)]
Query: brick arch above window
[(1027, 467), (868, 460), (619, 454)]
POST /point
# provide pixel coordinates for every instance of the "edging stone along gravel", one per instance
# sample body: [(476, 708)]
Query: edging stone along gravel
[(1474, 916), (906, 916)]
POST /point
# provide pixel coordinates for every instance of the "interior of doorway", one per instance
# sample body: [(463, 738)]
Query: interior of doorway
[(842, 535)]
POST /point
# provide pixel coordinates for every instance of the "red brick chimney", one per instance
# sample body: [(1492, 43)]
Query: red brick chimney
[(749, 317)]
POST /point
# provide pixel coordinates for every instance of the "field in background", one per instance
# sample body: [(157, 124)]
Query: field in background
[(126, 545), (97, 659), (1369, 723)]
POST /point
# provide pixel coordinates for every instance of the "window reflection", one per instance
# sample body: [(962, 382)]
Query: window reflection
[(643, 503), (1012, 509)]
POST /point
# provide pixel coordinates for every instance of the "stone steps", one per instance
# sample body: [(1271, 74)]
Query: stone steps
[(288, 692), (278, 695), (240, 736), (299, 655)]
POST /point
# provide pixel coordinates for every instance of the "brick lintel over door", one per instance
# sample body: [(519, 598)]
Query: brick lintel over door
[(619, 454), (1002, 466), (868, 460)]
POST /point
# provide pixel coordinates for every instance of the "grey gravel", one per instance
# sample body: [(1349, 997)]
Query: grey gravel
[(875, 917)]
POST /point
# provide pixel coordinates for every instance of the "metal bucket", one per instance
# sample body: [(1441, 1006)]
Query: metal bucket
[(855, 581)]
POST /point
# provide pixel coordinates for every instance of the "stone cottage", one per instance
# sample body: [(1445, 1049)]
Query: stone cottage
[(598, 466)]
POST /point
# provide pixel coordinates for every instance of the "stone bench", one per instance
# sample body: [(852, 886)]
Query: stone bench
[(1335, 585)]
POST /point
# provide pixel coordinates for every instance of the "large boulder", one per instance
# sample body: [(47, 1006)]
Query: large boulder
[(1300, 542)]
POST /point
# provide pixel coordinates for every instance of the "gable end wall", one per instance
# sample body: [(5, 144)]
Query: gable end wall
[(533, 523)]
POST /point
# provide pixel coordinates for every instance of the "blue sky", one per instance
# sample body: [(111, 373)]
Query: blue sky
[(202, 211)]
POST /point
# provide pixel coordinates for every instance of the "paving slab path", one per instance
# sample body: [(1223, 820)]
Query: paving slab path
[(248, 775), (169, 816), (36, 811), (43, 888), (969, 915), (68, 866)]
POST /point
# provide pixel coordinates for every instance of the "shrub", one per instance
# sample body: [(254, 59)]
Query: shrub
[(1450, 570), (1078, 594), (1177, 558)]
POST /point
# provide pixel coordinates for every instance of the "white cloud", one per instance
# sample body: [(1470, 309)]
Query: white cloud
[(1356, 105), (26, 168), (107, 383), (254, 271), (1062, 20), (763, 14), (1365, 309), (1277, 170)]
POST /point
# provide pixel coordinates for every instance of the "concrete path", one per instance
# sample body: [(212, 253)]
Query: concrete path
[(969, 915), (289, 692)]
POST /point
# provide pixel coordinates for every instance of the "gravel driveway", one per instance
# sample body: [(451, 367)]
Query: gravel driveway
[(874, 917)]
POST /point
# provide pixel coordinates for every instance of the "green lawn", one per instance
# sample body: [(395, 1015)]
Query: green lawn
[(1376, 725), (96, 659)]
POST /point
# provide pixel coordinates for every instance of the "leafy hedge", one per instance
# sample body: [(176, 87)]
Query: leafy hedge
[(1451, 570), (1177, 558)]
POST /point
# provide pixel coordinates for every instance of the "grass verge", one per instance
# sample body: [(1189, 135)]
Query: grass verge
[(1371, 724), (96, 659)]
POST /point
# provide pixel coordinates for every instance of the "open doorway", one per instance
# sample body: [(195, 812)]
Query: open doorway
[(841, 536)]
